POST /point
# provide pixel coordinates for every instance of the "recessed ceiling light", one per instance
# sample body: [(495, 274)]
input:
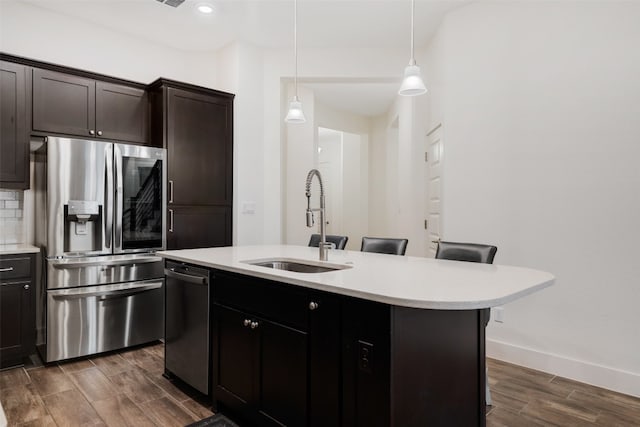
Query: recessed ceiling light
[(205, 8)]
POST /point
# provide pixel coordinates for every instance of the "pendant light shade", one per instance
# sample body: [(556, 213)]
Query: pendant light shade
[(295, 113), (412, 84)]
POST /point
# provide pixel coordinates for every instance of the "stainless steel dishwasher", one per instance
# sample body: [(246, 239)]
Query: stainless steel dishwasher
[(187, 324)]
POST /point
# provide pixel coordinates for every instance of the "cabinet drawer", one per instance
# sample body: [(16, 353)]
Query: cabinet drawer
[(12, 268), (273, 301)]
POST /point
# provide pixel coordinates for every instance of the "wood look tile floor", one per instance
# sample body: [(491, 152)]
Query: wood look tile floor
[(117, 389), (128, 389)]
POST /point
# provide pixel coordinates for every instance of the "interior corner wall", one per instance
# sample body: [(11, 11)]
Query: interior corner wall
[(541, 112), (36, 33), (240, 71)]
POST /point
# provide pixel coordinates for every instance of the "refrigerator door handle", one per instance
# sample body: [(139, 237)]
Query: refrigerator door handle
[(108, 197), (118, 208)]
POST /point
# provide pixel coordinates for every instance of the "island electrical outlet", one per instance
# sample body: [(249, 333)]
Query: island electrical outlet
[(365, 356)]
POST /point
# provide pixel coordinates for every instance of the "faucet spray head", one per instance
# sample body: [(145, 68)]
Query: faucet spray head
[(309, 218)]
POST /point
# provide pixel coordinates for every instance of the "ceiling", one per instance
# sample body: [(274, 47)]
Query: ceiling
[(265, 23), (269, 24), (366, 99)]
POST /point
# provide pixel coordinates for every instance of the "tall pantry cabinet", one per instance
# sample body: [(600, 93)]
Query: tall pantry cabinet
[(195, 125)]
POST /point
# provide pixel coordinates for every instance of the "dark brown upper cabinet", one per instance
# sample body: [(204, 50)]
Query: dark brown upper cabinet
[(121, 112), (80, 106), (14, 128), (199, 128)]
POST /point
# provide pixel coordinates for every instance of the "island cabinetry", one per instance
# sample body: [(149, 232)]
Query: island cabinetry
[(417, 367), (275, 360), (14, 130), (80, 106), (17, 308)]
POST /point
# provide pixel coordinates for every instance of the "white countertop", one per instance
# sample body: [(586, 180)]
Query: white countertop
[(19, 248), (397, 280)]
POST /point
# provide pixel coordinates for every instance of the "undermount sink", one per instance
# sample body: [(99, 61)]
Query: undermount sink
[(297, 266)]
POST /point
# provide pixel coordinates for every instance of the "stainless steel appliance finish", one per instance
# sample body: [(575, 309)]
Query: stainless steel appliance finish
[(297, 266), (187, 324), (100, 215), (94, 319), (87, 271)]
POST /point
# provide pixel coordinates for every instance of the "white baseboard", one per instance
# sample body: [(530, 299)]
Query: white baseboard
[(602, 376)]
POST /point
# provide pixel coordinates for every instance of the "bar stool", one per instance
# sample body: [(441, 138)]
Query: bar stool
[(340, 242), (384, 246)]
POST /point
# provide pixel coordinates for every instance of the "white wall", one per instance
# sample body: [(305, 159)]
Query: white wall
[(300, 156), (330, 64), (540, 109), (240, 71), (355, 183), (397, 178)]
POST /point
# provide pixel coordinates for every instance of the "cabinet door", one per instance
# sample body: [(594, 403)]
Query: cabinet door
[(63, 103), (17, 332), (14, 135), (283, 375), (199, 148), (198, 227), (234, 361), (121, 112), (324, 360)]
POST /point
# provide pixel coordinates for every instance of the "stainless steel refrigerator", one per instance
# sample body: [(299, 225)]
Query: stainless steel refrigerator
[(100, 215)]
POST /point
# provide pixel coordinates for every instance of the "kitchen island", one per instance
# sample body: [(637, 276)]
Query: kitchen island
[(381, 340)]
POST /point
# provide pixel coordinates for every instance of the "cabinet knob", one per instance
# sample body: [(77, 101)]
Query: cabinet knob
[(247, 322), (99, 133), (27, 287), (254, 325), (313, 305), (92, 132)]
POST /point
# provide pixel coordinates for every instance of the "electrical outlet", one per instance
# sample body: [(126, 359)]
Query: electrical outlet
[(365, 356), (498, 314)]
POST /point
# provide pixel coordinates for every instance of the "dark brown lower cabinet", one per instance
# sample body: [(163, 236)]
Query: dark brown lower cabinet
[(261, 368), (292, 356), (198, 227), (17, 308)]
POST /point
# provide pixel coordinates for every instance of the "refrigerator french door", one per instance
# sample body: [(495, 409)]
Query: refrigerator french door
[(100, 215)]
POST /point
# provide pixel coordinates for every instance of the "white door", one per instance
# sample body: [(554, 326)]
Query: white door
[(434, 151)]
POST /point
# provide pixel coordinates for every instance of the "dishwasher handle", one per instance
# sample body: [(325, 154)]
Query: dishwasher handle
[(198, 280)]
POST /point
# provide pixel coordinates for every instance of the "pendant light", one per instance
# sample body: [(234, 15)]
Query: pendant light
[(295, 114), (412, 83)]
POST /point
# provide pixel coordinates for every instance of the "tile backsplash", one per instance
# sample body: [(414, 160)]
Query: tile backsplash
[(12, 227)]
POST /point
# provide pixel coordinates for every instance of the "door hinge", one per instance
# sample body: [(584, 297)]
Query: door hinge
[(426, 224), (426, 156)]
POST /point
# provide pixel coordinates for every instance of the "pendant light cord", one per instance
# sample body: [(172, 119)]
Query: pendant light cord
[(413, 6), (295, 45)]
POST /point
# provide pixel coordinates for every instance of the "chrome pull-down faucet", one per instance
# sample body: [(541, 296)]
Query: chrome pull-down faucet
[(323, 245)]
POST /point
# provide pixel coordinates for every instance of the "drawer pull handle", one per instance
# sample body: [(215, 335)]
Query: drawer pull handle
[(313, 305), (26, 287), (6, 269), (247, 322), (254, 325)]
